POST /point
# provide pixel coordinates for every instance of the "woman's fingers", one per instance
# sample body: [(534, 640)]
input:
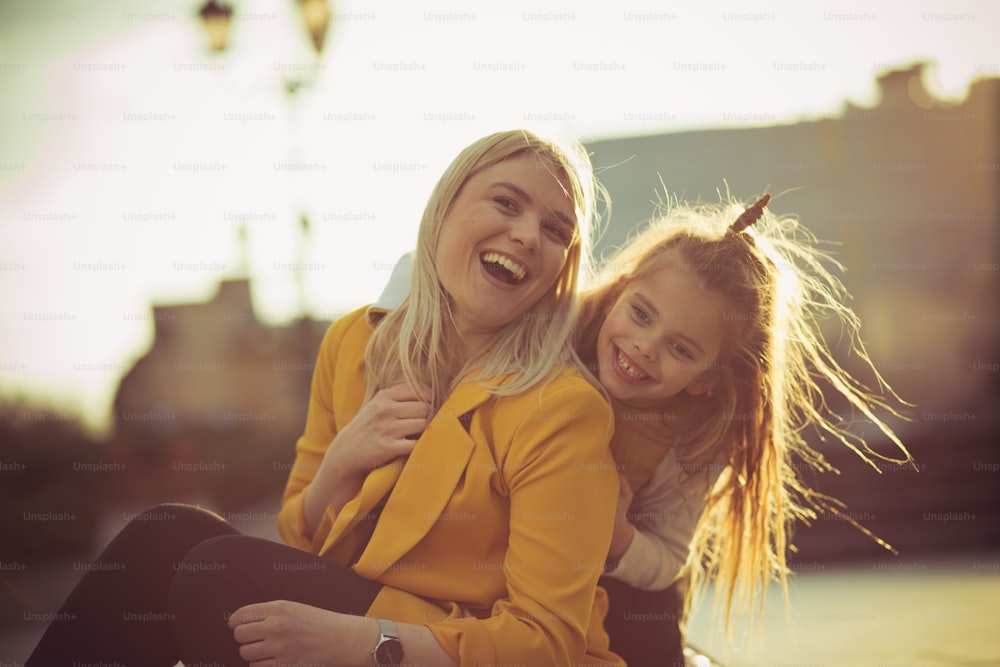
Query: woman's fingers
[(251, 613), (255, 652), (411, 410), (248, 633), (405, 391), (249, 625), (387, 405), (408, 427), (384, 429), (397, 413)]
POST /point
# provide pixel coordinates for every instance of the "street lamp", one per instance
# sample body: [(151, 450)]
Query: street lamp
[(216, 19), (316, 14)]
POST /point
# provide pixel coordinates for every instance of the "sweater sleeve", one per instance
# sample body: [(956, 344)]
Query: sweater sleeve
[(665, 514)]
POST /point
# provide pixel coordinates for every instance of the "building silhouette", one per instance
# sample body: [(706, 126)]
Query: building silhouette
[(215, 366), (213, 409)]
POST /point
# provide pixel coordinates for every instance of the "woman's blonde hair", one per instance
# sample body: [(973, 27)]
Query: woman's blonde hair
[(415, 342), (776, 374)]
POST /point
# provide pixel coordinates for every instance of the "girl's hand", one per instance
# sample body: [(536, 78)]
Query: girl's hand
[(291, 633), (621, 535)]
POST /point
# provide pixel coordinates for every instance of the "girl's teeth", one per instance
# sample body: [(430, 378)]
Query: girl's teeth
[(515, 269), (631, 372)]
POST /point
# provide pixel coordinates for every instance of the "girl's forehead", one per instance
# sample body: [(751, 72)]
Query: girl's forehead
[(671, 271)]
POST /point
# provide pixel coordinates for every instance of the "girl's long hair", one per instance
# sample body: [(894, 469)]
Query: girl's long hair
[(416, 341), (776, 373)]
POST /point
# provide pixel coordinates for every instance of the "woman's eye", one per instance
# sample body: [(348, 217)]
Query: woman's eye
[(559, 232), (506, 202)]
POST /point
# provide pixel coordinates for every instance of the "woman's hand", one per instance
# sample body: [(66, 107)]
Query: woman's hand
[(291, 633), (384, 429), (621, 535), (280, 632)]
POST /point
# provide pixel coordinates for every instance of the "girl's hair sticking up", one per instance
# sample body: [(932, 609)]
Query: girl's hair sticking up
[(775, 376)]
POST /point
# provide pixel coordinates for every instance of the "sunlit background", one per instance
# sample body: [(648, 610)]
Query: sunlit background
[(233, 197), (130, 147)]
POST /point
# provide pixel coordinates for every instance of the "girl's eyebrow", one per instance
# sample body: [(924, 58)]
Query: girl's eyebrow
[(655, 314), (558, 215)]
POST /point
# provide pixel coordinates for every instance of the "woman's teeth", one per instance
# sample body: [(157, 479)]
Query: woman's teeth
[(633, 373), (514, 271)]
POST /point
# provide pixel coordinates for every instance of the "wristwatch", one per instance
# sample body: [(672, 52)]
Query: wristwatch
[(388, 652)]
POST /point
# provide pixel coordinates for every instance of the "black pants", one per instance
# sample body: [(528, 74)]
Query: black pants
[(645, 626), (164, 588)]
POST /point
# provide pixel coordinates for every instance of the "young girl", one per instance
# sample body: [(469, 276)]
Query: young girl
[(705, 331)]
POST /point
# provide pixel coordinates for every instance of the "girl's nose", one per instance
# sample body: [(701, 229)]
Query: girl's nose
[(644, 348)]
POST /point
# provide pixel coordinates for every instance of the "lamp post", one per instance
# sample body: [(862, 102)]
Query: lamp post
[(216, 18), (316, 17), (316, 14)]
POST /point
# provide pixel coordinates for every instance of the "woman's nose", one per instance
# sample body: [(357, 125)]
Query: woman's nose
[(526, 230)]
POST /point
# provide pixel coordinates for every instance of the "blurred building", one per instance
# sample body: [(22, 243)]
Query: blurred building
[(215, 366), (214, 407)]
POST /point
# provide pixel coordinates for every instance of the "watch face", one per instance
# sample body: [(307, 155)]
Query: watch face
[(389, 653)]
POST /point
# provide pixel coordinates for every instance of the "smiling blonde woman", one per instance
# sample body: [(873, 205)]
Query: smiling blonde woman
[(453, 493)]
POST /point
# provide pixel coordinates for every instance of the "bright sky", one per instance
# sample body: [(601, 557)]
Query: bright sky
[(129, 155)]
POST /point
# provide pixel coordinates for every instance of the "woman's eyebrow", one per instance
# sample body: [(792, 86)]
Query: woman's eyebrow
[(558, 215)]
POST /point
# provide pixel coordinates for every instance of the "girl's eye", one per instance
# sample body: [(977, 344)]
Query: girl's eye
[(682, 351), (639, 314)]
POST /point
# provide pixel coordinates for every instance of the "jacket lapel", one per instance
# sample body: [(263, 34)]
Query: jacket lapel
[(351, 527), (422, 486)]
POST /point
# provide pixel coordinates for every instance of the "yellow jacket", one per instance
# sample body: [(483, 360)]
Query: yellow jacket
[(495, 528)]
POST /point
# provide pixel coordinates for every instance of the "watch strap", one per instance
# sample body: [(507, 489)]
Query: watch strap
[(388, 629), (388, 651)]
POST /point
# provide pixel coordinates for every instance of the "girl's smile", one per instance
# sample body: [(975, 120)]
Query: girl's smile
[(664, 335), (628, 369)]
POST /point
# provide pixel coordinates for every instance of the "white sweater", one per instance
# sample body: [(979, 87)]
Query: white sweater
[(665, 513)]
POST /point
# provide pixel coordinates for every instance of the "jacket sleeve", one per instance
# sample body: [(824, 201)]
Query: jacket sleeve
[(319, 431), (665, 514), (562, 487)]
